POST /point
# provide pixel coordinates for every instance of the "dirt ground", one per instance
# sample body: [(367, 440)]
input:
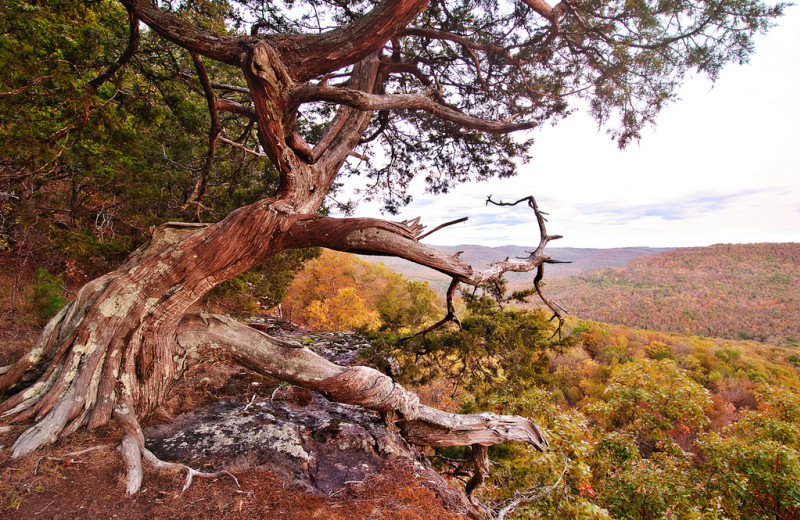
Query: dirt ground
[(83, 476), (62, 482)]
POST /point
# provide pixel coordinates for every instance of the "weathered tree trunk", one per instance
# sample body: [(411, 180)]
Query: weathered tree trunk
[(117, 349), (114, 347)]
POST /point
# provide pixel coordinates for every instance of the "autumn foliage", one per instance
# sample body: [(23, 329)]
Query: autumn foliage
[(339, 291), (734, 291)]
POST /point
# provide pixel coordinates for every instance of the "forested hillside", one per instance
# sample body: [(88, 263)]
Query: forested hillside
[(168, 167), (742, 291), (641, 424)]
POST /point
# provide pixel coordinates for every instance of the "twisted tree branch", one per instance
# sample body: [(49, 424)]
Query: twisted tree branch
[(130, 50), (366, 101)]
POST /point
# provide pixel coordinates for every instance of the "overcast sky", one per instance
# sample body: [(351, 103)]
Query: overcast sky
[(722, 165)]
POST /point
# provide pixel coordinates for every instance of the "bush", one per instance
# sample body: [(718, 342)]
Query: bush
[(46, 297)]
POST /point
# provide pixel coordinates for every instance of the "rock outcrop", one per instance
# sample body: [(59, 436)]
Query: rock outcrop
[(323, 446)]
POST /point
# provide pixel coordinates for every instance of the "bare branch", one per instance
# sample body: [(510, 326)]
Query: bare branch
[(378, 237), (362, 386), (480, 460), (349, 124), (450, 316), (383, 117), (531, 494), (237, 108), (186, 34), (440, 226), (541, 7), (25, 87), (199, 191), (232, 88), (461, 40), (242, 147), (312, 55)]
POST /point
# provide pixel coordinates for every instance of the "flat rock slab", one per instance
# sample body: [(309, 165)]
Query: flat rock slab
[(298, 434)]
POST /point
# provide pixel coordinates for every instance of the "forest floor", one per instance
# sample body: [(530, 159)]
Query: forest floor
[(83, 476), (53, 484)]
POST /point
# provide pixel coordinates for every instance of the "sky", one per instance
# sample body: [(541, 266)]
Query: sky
[(722, 165)]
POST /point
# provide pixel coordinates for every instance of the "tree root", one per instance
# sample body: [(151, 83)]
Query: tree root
[(63, 409), (223, 337), (134, 452)]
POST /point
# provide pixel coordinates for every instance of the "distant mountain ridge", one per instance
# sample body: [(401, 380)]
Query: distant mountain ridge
[(582, 260), (735, 291)]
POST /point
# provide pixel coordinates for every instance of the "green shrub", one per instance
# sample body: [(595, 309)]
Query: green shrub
[(46, 297)]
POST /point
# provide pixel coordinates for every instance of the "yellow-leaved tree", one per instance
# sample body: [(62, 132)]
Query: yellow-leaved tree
[(340, 291)]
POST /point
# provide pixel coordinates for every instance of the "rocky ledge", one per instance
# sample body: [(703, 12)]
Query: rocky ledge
[(299, 435)]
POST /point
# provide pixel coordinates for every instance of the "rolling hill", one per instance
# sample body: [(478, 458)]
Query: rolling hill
[(734, 291), (741, 291)]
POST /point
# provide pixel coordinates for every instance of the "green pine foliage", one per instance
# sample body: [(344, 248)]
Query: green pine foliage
[(85, 173), (493, 348), (46, 295)]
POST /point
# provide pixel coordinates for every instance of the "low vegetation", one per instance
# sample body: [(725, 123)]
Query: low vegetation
[(642, 424)]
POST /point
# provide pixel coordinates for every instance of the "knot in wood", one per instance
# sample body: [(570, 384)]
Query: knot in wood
[(369, 388)]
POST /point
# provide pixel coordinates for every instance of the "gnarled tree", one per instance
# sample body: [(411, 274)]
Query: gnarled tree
[(429, 87)]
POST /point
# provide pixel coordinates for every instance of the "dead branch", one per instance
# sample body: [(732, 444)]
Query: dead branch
[(378, 237), (450, 316), (441, 226), (531, 494), (232, 88), (242, 147), (219, 336)]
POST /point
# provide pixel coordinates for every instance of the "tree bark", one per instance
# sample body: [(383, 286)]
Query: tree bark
[(118, 348), (114, 346)]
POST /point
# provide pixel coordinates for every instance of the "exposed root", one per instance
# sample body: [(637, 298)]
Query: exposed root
[(133, 452), (86, 350), (80, 452), (190, 472), (132, 455), (362, 386)]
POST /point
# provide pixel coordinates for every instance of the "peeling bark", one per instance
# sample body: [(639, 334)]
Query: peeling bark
[(116, 350), (224, 338)]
